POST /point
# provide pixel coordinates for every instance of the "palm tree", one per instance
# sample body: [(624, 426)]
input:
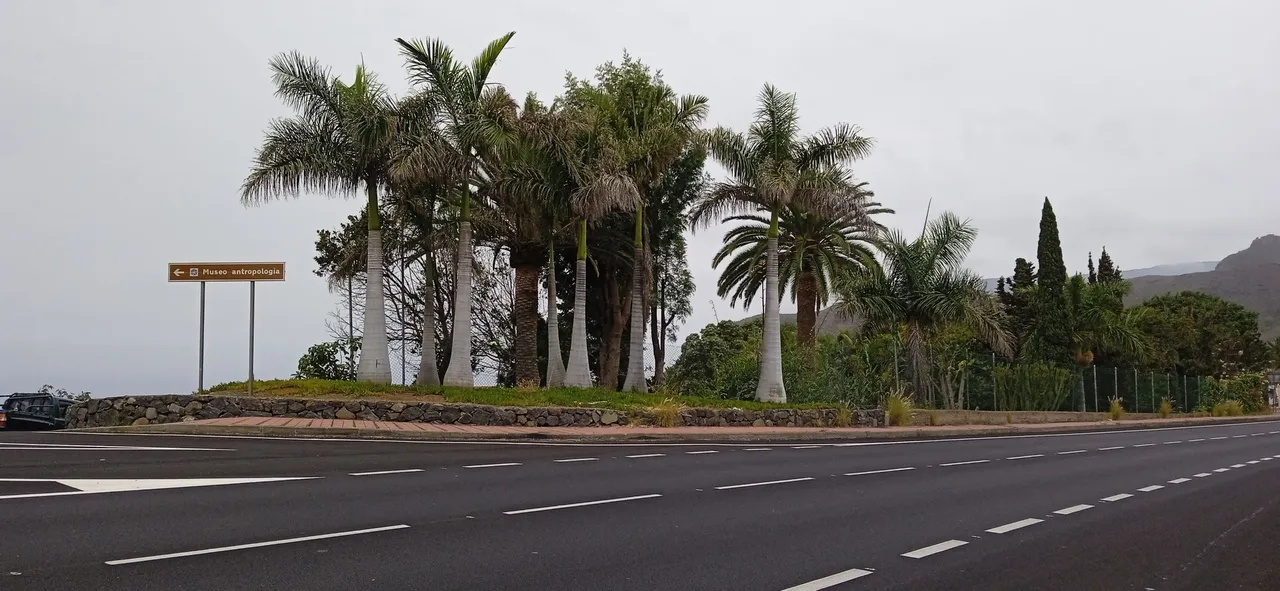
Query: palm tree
[(921, 286), (773, 166), (338, 141), (651, 127), (812, 250), (457, 149)]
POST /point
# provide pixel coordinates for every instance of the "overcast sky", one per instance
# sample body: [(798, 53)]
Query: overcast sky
[(126, 128)]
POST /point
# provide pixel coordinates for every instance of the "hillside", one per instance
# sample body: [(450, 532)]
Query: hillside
[(1250, 278), (829, 321)]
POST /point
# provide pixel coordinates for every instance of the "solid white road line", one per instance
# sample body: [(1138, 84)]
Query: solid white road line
[(965, 463), (831, 581), (1202, 475), (1119, 497), (1025, 457), (1237, 465), (1151, 488), (1179, 480), (1008, 527), (1222, 470), (751, 484), (586, 504), (934, 549), (255, 545), (381, 472), (886, 471), (805, 446), (78, 447), (1074, 451), (638, 456), (501, 465), (1110, 448), (706, 451), (577, 460), (1073, 509), (1144, 445)]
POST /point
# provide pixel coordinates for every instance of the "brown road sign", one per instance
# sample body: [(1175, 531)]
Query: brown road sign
[(197, 272)]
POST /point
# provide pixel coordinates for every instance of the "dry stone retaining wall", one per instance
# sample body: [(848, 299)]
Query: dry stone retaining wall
[(153, 410)]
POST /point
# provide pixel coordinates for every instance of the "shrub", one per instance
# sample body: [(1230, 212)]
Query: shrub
[(1228, 408), (897, 409), (1166, 408), (1033, 386), (1117, 409), (667, 412), (844, 417)]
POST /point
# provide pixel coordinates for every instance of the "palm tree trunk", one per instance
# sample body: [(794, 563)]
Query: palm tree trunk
[(635, 381), (375, 362), (578, 374), (615, 323), (806, 308), (770, 387), (555, 363), (920, 383), (526, 317), (428, 373), (459, 371)]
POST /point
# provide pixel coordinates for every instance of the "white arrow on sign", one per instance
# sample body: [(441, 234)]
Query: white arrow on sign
[(178, 273)]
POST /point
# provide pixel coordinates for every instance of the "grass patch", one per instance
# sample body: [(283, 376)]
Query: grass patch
[(844, 417), (897, 409), (667, 412), (1166, 408), (1116, 412), (568, 397), (1228, 408)]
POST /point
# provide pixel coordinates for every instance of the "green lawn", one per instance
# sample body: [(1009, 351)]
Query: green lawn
[(594, 398)]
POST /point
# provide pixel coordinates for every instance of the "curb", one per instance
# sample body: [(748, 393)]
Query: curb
[(801, 434)]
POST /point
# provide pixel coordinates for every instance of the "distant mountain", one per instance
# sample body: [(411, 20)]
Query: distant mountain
[(1250, 278), (1156, 271), (829, 321)]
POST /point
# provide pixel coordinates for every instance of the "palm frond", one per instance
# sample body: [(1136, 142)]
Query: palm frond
[(300, 155)]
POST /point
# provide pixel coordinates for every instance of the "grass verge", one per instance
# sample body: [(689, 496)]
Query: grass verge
[(571, 397)]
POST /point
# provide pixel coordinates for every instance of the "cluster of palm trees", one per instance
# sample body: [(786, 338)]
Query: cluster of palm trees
[(459, 149)]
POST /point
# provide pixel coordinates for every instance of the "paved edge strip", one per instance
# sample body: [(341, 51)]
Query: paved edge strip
[(255, 545)]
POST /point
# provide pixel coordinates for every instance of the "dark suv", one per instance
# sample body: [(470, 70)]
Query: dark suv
[(34, 411)]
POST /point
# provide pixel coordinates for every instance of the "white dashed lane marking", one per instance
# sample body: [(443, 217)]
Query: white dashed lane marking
[(1195, 440), (381, 472), (965, 463), (1237, 465), (1008, 527), (1144, 445), (886, 471), (705, 451), (1151, 488), (1110, 448), (1074, 451), (1025, 457), (1179, 480), (1217, 438), (831, 581), (638, 456), (1119, 497), (759, 449), (1222, 470), (577, 460), (805, 446), (1073, 509), (751, 484), (1172, 442), (1252, 462), (501, 465), (1202, 475), (934, 549), (586, 504)]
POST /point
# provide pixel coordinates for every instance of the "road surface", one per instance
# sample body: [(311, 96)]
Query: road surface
[(1172, 509)]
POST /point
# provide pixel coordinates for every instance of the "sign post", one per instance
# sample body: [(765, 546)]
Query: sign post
[(203, 273)]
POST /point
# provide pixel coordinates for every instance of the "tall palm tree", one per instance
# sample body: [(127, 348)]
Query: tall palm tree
[(921, 285), (338, 141), (773, 166), (457, 146), (651, 127), (812, 250)]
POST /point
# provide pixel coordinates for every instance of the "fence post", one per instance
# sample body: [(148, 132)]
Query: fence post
[(1095, 389), (1115, 386), (1153, 389), (1185, 400), (1135, 388)]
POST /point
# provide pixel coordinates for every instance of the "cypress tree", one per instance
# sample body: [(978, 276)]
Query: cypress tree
[(1024, 274), (1052, 336), (1093, 275), (1107, 271)]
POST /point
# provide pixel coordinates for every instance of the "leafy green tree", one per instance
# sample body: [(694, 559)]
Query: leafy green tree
[(335, 360), (812, 250), (453, 148), (63, 393), (1095, 323), (1017, 300), (1051, 339), (338, 141), (1195, 333), (773, 166), (1093, 274), (706, 355), (922, 285)]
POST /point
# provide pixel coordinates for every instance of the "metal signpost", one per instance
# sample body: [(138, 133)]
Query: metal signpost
[(226, 273)]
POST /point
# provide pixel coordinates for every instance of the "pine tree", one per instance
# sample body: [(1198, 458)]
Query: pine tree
[(1107, 270), (1052, 339), (1093, 275), (1016, 302), (1024, 274)]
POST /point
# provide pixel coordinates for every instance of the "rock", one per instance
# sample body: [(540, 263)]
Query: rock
[(188, 419), (411, 413), (450, 415), (608, 417), (344, 414), (173, 408), (757, 423), (296, 406), (398, 407), (552, 420), (140, 421), (353, 406), (464, 418), (151, 414), (367, 416)]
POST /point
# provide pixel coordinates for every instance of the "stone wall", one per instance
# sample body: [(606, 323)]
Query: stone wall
[(150, 410)]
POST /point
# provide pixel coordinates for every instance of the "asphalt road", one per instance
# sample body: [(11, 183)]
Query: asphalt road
[(1174, 509)]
